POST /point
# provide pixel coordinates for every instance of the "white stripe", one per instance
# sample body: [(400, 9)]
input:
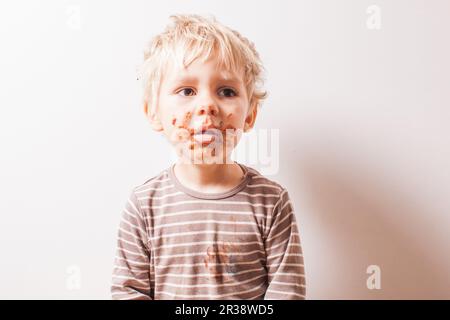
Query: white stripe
[(277, 223), (287, 274), (203, 254), (281, 232), (130, 270), (208, 202), (279, 200), (288, 202), (293, 264), (211, 285), (209, 295), (202, 222), (170, 186), (258, 194), (202, 232), (125, 231), (205, 242), (179, 213), (131, 252), (281, 197), (263, 185), (162, 197), (287, 240), (288, 284), (203, 264), (286, 254), (288, 293), (280, 244), (133, 206), (257, 296), (239, 193), (259, 177), (198, 275), (130, 214), (128, 260), (128, 242), (144, 282), (133, 226)]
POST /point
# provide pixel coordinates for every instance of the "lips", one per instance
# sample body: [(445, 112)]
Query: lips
[(206, 135), (204, 139), (204, 128)]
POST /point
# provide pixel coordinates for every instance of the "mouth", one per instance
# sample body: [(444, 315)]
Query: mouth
[(206, 136)]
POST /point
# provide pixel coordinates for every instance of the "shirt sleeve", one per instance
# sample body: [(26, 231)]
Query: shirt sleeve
[(284, 256), (131, 271)]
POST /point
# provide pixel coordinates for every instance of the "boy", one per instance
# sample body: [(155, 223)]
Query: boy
[(206, 227)]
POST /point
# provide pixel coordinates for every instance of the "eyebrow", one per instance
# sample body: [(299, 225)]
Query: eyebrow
[(184, 79), (229, 79)]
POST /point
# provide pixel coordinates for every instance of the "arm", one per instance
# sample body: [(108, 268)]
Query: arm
[(286, 273), (131, 273)]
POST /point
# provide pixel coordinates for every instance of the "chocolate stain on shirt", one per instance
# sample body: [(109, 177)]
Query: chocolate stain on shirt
[(219, 261)]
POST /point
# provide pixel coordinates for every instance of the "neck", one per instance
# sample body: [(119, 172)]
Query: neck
[(204, 176)]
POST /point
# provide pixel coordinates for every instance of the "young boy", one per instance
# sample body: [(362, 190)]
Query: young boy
[(207, 227)]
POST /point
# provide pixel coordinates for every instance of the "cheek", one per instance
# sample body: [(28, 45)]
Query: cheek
[(234, 120), (179, 135), (233, 129), (177, 127), (180, 120)]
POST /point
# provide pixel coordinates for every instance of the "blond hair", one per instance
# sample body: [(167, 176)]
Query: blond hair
[(192, 37)]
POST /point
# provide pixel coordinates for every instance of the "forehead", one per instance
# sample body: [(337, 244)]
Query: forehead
[(200, 69)]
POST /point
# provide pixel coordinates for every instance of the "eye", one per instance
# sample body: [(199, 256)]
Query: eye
[(186, 92), (227, 92)]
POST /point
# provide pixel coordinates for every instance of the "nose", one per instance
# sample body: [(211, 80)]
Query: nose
[(207, 109), (207, 105)]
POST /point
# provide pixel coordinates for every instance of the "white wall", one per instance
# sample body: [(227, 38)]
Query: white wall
[(364, 138)]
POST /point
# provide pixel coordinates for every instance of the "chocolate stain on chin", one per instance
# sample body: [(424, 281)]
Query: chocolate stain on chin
[(180, 135), (230, 127)]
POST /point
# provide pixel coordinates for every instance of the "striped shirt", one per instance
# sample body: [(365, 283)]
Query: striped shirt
[(177, 243)]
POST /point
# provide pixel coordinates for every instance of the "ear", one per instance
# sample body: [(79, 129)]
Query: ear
[(251, 117), (153, 118)]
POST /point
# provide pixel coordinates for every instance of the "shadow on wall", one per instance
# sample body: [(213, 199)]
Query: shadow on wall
[(356, 221)]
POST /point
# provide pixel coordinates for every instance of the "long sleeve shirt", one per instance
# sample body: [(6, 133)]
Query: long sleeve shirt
[(177, 243)]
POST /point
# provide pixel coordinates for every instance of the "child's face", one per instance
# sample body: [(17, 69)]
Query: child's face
[(203, 98)]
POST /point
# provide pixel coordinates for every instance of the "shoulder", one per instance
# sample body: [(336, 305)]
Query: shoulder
[(256, 179), (159, 183), (156, 187), (260, 183)]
